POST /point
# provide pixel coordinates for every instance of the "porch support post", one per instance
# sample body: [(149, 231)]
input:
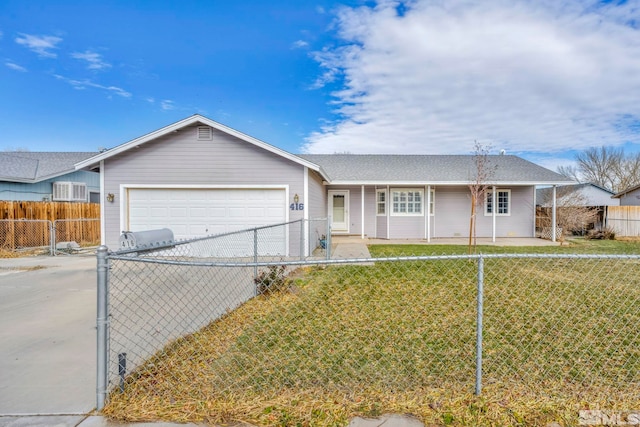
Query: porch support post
[(427, 214), (362, 212), (494, 208), (305, 213), (553, 216), (387, 210)]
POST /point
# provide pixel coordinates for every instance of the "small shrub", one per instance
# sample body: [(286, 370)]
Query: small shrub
[(606, 233), (271, 280)]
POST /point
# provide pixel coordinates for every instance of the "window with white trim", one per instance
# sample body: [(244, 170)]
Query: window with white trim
[(503, 205), (381, 202), (69, 191), (406, 202)]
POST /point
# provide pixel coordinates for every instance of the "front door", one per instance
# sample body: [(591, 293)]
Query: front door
[(339, 210)]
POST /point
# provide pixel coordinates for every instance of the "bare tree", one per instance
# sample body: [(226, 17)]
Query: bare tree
[(479, 183), (570, 172), (600, 165)]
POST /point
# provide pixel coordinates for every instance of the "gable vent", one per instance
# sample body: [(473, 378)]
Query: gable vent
[(70, 191), (205, 133)]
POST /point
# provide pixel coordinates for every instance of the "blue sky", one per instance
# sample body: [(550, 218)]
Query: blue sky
[(538, 78)]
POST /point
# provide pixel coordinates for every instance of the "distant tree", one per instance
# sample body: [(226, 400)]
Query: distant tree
[(483, 173), (570, 172), (607, 167)]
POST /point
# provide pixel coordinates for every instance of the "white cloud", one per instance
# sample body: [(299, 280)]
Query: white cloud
[(94, 60), (523, 75), (15, 66), (167, 104), (299, 44), (42, 45), (83, 84)]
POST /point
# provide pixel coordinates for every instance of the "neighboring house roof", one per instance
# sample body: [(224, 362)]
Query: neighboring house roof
[(544, 194), (433, 169), (195, 119), (32, 167), (626, 191)]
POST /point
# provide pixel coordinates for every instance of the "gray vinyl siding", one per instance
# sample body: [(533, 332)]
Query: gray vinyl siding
[(317, 197), (597, 197), (453, 210), (180, 159), (630, 199), (39, 191), (381, 227)]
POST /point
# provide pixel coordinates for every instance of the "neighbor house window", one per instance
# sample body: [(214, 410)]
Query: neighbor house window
[(406, 202), (69, 191), (381, 202), (503, 205)]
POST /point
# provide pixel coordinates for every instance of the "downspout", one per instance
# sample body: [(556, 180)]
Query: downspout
[(494, 206), (362, 212), (553, 216), (387, 208)]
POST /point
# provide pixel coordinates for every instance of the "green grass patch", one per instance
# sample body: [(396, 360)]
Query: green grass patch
[(560, 335)]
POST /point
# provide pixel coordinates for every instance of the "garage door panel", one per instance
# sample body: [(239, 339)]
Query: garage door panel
[(193, 213)]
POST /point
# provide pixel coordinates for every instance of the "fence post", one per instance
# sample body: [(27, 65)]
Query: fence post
[(102, 327), (479, 315), (52, 237), (328, 249), (255, 258), (302, 240)]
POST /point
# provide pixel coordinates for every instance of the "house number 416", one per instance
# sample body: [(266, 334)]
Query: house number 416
[(296, 206)]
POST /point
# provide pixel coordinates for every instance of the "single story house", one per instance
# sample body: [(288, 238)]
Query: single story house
[(47, 176), (199, 177), (629, 196)]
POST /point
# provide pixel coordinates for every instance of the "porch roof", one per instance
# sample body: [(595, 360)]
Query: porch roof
[(384, 169)]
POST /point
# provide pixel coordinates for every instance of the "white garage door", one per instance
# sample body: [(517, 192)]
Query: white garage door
[(199, 212)]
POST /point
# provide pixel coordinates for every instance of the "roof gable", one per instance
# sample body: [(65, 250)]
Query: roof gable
[(195, 119)]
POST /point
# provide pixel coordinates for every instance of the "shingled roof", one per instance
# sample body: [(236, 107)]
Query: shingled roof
[(31, 167), (431, 169)]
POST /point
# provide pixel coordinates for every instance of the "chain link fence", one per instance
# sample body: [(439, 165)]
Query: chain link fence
[(231, 333), (25, 235), (63, 236)]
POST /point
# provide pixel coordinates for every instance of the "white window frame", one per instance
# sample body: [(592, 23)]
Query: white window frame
[(406, 191), (381, 203), (489, 193)]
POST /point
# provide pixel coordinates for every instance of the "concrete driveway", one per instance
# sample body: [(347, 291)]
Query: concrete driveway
[(47, 335)]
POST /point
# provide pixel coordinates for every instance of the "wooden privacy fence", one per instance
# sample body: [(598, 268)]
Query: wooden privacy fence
[(624, 220), (49, 211), (44, 226)]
